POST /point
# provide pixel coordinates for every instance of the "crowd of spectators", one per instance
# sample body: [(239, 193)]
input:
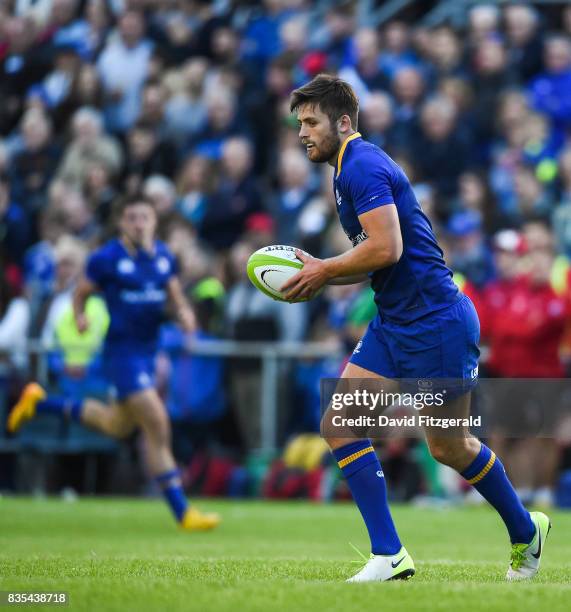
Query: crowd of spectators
[(187, 101)]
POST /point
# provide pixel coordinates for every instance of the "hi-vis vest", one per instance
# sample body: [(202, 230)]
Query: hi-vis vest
[(79, 349)]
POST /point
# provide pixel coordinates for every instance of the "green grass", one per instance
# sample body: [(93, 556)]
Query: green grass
[(116, 554)]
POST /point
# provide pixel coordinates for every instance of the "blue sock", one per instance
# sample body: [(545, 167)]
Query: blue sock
[(360, 466), (172, 491), (488, 476), (61, 406)]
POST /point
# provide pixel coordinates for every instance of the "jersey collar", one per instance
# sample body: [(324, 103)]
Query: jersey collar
[(342, 150), (133, 252)]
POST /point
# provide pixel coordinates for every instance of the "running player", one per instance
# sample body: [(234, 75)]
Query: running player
[(425, 328), (137, 276)]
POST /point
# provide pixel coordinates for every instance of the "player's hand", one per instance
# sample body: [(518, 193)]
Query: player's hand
[(187, 320), (308, 281), (81, 323)]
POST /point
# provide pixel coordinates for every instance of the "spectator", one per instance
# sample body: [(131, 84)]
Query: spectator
[(99, 18), (469, 253), (562, 213), (14, 322), (79, 218), (446, 53), (444, 148), (408, 88), (532, 201), (69, 257), (88, 90), (23, 63), (153, 102), (366, 76), (525, 340), (376, 120), (483, 23), (146, 154), (123, 66), (15, 227), (161, 191), (524, 41), (195, 184), (55, 92), (220, 124), (508, 247), (234, 199), (474, 193), (100, 192), (185, 109), (490, 78), (74, 361), (89, 145), (549, 91), (397, 51), (68, 30), (294, 192), (34, 165)]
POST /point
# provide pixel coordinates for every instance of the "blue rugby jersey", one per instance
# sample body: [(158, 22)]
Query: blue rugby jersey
[(134, 287), (419, 283)]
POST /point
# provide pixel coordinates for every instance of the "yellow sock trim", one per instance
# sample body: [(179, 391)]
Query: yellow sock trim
[(355, 456), (484, 471)]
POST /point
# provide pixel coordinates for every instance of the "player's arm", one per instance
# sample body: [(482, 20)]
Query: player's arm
[(84, 289), (182, 308), (382, 248)]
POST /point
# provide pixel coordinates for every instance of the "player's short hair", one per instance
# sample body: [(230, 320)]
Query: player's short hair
[(334, 96), (132, 200)]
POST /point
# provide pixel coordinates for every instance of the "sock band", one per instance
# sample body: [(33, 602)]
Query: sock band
[(165, 480), (484, 471), (173, 493), (355, 456)]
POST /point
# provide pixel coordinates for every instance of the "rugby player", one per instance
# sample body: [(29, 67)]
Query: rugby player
[(425, 327), (137, 276)]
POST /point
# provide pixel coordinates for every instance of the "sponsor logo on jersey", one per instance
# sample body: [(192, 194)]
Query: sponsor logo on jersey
[(149, 295), (125, 266), (163, 265), (144, 379), (358, 347)]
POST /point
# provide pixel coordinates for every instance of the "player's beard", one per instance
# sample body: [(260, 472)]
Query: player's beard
[(326, 151)]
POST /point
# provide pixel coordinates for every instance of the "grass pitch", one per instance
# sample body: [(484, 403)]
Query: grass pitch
[(117, 554)]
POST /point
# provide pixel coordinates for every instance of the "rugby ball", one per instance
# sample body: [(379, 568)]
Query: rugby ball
[(272, 266)]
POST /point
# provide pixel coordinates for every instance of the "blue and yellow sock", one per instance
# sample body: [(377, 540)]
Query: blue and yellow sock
[(365, 478), (488, 476), (61, 406), (171, 487)]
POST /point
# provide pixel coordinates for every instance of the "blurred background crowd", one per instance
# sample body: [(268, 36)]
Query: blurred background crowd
[(187, 101)]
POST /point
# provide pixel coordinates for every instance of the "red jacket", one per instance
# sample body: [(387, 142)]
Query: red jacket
[(524, 324)]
